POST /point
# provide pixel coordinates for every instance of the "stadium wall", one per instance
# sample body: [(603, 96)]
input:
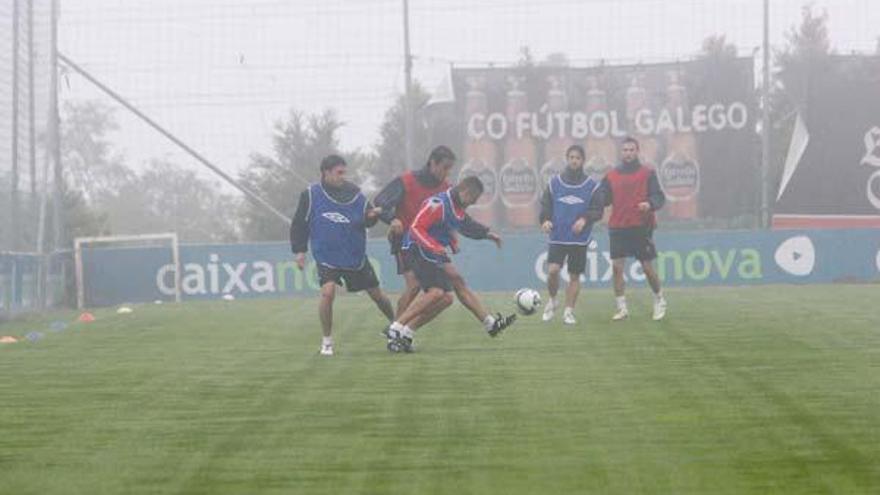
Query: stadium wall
[(131, 275)]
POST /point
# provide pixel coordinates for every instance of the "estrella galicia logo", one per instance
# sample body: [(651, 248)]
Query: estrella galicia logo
[(872, 147), (872, 158), (571, 200), (796, 256), (336, 217), (877, 260)]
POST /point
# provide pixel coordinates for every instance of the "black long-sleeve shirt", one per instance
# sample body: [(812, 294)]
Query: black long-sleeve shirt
[(569, 176), (299, 227), (390, 197), (602, 195)]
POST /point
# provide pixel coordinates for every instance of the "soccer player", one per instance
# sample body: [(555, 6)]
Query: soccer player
[(633, 192), (564, 208), (425, 246), (333, 216), (401, 199)]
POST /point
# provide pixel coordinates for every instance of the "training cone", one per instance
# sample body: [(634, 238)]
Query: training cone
[(8, 339), (86, 317)]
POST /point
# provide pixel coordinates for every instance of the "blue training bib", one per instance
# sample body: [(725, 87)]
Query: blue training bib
[(337, 232), (569, 203)]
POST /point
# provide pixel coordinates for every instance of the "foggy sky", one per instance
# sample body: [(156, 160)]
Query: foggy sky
[(219, 73)]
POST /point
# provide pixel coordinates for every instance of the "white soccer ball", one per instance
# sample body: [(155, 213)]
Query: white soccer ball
[(527, 301)]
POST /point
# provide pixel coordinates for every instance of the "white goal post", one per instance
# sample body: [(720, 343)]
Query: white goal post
[(79, 242)]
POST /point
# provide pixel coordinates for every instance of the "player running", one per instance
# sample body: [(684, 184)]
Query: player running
[(333, 216), (425, 246), (564, 216), (634, 194)]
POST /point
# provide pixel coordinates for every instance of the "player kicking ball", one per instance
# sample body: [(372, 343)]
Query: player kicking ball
[(425, 246)]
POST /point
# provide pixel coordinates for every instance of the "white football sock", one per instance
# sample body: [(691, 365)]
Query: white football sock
[(327, 340), (621, 302), (406, 331), (396, 326), (658, 296)]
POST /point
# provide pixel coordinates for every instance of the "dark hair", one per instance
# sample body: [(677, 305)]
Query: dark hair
[(630, 139), (471, 183), (576, 147), (439, 154), (331, 161)]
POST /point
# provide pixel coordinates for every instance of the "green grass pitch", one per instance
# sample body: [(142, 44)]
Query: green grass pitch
[(741, 390)]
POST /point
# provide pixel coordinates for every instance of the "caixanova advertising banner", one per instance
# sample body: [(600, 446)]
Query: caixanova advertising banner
[(694, 120), (128, 275)]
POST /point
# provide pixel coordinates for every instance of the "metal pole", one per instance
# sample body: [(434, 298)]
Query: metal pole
[(14, 230), (55, 141), (119, 99), (765, 120), (32, 121), (407, 102)]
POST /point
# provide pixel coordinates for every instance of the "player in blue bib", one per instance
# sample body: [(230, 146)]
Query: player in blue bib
[(564, 218), (333, 217)]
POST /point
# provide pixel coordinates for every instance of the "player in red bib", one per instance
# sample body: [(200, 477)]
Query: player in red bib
[(634, 194), (401, 200)]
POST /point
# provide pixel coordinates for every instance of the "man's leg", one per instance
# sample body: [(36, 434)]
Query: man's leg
[(421, 305), (492, 323), (325, 310), (571, 295), (577, 263), (553, 270), (654, 282), (432, 312), (382, 302), (618, 265), (410, 291)]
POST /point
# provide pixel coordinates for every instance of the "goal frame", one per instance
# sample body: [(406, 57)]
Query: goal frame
[(79, 242)]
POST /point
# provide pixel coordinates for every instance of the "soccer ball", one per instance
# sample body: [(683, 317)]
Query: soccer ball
[(527, 301)]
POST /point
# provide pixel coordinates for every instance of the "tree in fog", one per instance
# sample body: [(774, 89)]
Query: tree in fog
[(91, 165), (168, 196), (391, 149), (718, 77), (805, 57), (298, 144)]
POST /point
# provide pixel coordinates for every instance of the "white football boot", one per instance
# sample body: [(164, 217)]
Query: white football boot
[(326, 349), (659, 309), (549, 309), (568, 317), (620, 315)]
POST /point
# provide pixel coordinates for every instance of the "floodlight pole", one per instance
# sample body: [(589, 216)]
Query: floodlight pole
[(765, 120), (407, 98)]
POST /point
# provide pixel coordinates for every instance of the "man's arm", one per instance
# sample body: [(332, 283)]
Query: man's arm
[(299, 227), (431, 213), (546, 206), (389, 198), (600, 199), (656, 197), (473, 229), (370, 215)]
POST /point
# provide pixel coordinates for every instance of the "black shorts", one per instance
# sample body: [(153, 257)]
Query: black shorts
[(353, 280), (398, 253), (634, 242), (577, 257), (428, 273)]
